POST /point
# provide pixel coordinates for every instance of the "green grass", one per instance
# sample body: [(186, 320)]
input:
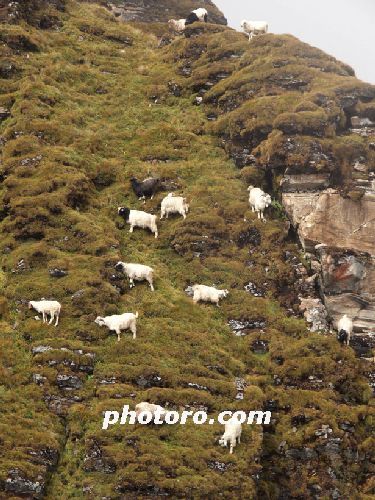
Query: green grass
[(63, 214)]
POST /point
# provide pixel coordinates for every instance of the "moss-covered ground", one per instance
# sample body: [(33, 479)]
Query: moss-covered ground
[(90, 107)]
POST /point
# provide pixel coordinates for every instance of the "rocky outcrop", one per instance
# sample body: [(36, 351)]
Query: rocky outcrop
[(162, 10), (308, 153), (339, 232)]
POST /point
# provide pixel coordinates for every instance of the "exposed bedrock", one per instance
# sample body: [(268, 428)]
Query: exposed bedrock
[(163, 10), (340, 233)]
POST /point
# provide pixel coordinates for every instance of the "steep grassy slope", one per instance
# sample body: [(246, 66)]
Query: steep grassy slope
[(91, 106)]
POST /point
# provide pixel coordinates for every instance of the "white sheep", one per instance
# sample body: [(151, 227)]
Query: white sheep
[(137, 218), (232, 433), (137, 272), (208, 294), (177, 25), (118, 322), (151, 408), (259, 201), (174, 205), (253, 28), (51, 307), (345, 329)]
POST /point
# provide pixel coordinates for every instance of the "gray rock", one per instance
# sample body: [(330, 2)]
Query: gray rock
[(240, 328), (315, 313), (301, 454), (68, 382), (58, 273), (18, 484), (259, 346), (218, 466), (39, 349)]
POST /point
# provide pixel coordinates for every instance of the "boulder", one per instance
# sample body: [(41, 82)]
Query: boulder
[(315, 313), (58, 273), (4, 113), (68, 382), (17, 484)]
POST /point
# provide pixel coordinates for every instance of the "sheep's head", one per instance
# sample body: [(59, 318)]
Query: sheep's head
[(124, 212), (224, 293), (100, 321), (342, 336), (243, 23), (119, 266), (30, 305), (222, 441), (268, 199), (250, 188)]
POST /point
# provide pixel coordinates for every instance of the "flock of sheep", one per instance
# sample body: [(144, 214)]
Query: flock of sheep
[(251, 28), (259, 201)]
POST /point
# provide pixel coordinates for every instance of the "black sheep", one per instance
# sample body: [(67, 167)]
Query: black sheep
[(191, 18), (148, 187), (196, 16)]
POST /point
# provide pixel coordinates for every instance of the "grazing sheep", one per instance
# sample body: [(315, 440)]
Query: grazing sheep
[(151, 408), (136, 272), (174, 205), (148, 187), (137, 218), (208, 294), (344, 328), (253, 28), (118, 322), (259, 201), (232, 433), (51, 307), (177, 25)]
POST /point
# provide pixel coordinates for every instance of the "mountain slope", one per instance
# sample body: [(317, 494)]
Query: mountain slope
[(92, 104)]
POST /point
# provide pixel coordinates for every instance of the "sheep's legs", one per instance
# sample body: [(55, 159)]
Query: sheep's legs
[(52, 318), (151, 285), (131, 229), (134, 332), (57, 319), (118, 335), (131, 282), (44, 317)]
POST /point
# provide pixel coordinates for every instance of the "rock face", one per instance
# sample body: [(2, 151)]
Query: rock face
[(327, 217), (340, 232), (163, 10)]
